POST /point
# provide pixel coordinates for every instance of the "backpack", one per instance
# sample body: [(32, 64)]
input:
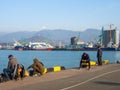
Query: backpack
[(2, 78), (18, 71)]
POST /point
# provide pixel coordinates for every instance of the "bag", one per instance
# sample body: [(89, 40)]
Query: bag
[(2, 79), (26, 73), (18, 72)]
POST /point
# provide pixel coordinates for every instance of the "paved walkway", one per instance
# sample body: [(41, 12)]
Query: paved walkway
[(104, 77)]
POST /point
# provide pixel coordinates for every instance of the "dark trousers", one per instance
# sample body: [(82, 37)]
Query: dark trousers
[(84, 61), (99, 60), (7, 73)]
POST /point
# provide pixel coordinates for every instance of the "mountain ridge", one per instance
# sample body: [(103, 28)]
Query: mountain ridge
[(57, 35)]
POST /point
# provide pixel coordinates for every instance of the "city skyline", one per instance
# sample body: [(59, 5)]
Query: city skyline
[(76, 15)]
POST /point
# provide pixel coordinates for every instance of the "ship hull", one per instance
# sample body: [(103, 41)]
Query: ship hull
[(20, 48), (87, 49)]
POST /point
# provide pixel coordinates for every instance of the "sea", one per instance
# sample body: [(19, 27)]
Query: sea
[(68, 59)]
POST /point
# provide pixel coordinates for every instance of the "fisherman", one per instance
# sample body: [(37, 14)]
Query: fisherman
[(85, 59), (118, 62), (38, 67), (10, 69), (99, 56)]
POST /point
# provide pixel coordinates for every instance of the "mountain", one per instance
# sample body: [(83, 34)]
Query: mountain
[(90, 35), (58, 35), (65, 35), (51, 36), (10, 37)]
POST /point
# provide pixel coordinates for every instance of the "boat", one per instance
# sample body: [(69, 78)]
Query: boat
[(103, 49), (88, 49), (38, 46), (18, 46)]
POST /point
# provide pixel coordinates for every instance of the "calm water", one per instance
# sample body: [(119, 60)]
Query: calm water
[(68, 59)]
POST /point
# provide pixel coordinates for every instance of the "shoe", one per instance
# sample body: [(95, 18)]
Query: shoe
[(7, 79), (35, 75), (89, 69)]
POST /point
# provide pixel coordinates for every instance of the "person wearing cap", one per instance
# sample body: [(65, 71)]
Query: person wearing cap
[(38, 67), (10, 68)]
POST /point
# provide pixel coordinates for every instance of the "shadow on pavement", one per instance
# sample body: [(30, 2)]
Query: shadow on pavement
[(108, 83)]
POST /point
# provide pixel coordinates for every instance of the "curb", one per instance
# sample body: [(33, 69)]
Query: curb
[(54, 69), (92, 63)]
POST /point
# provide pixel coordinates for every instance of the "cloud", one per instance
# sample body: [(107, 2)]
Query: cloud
[(44, 27)]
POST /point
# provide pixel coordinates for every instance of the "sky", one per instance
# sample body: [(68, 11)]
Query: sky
[(76, 15)]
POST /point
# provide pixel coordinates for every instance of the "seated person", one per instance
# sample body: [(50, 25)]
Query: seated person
[(37, 66), (11, 66), (85, 59), (20, 71)]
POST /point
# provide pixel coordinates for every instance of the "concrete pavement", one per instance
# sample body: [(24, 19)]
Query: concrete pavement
[(104, 77)]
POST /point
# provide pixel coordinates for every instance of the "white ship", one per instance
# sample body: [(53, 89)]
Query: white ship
[(39, 46)]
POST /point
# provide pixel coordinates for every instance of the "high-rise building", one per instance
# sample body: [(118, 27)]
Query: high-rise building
[(110, 38), (74, 40)]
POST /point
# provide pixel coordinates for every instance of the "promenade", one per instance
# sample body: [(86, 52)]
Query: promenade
[(106, 77)]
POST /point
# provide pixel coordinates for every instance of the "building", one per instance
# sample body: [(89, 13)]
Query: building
[(110, 38), (74, 40), (75, 44)]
